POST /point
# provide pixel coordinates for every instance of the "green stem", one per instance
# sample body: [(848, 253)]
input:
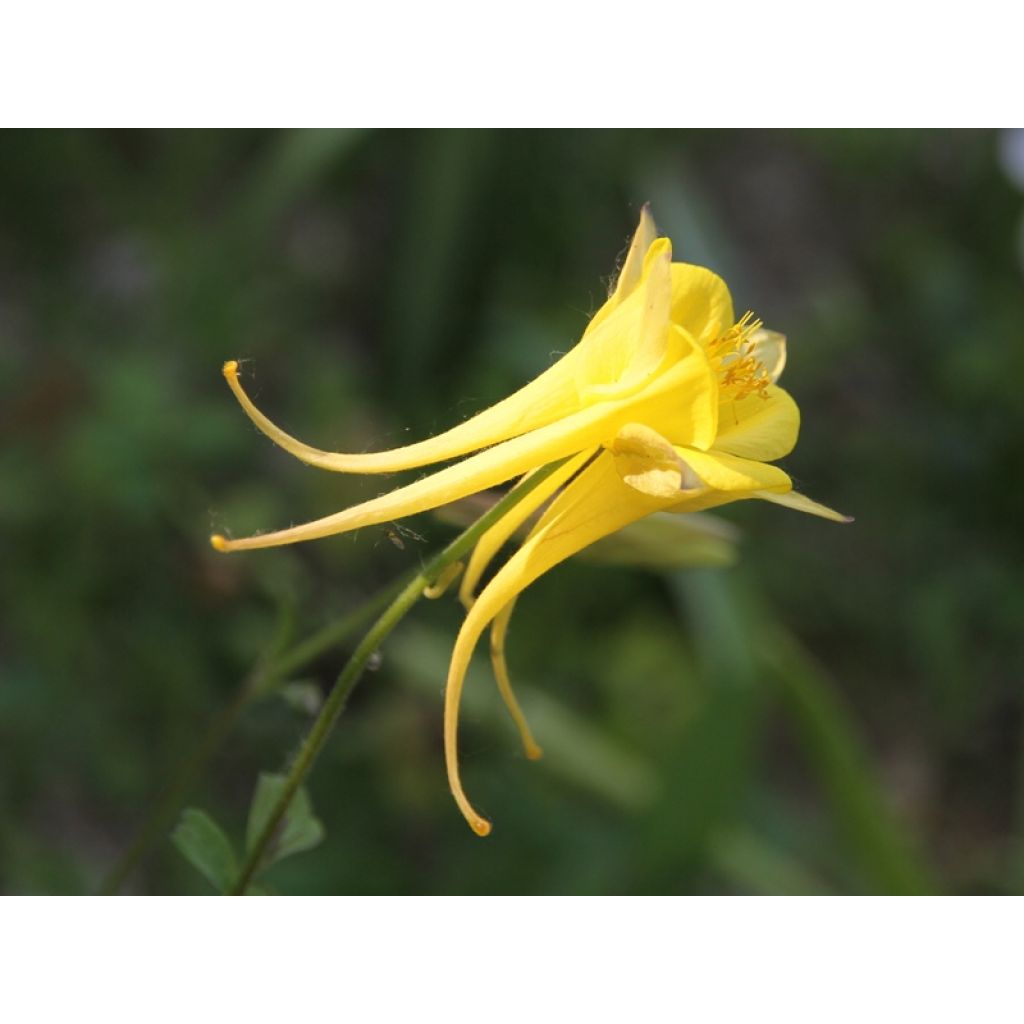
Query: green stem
[(335, 703), (260, 682), (318, 643)]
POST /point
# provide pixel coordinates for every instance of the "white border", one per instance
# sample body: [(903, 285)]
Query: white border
[(550, 63), (391, 959)]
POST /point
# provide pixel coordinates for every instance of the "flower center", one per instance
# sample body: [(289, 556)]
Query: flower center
[(733, 358)]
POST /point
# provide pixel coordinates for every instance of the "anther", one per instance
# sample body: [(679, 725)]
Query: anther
[(739, 370), (219, 543)]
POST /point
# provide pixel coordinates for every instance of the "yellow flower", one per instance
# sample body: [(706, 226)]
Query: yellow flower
[(668, 402)]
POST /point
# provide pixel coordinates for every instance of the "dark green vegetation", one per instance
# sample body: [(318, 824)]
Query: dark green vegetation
[(841, 712)]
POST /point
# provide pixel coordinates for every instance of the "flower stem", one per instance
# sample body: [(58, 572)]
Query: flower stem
[(264, 677), (335, 703)]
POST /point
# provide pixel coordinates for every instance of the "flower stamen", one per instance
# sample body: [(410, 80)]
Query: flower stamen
[(740, 372)]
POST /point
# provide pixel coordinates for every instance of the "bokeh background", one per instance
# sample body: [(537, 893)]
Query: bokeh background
[(839, 712)]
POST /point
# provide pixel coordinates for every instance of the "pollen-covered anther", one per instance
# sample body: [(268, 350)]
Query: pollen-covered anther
[(220, 543), (740, 372)]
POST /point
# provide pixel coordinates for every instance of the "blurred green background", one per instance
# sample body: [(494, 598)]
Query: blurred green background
[(840, 712)]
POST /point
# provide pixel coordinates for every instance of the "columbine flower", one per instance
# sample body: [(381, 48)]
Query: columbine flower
[(668, 402)]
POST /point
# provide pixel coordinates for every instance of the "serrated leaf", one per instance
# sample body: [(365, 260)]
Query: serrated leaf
[(301, 829), (202, 842)]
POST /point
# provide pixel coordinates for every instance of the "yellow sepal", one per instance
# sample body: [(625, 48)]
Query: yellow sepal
[(701, 303), (732, 477), (801, 503)]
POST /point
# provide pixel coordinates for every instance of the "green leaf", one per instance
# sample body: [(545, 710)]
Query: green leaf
[(300, 830), (202, 842)]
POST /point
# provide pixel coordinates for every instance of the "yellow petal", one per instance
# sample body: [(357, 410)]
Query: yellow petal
[(632, 269), (484, 551), (499, 634), (701, 303), (628, 334), (595, 504), (800, 502), (547, 398), (619, 356), (732, 476), (649, 463), (681, 401), (494, 539), (769, 349), (762, 428)]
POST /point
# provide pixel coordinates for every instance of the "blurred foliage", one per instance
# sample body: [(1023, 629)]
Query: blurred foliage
[(840, 712)]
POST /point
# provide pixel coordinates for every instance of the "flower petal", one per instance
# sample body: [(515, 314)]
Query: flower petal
[(547, 398), (800, 502), (632, 271), (618, 336), (762, 428), (499, 634), (649, 463), (701, 303), (681, 401), (496, 537), (620, 354), (632, 268), (769, 349), (733, 477), (594, 505)]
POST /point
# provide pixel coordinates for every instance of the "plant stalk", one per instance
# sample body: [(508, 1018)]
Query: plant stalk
[(335, 703), (262, 680)]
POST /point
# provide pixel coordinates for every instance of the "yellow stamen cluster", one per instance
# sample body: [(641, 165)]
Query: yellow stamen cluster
[(740, 372)]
